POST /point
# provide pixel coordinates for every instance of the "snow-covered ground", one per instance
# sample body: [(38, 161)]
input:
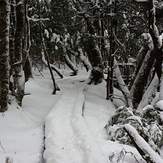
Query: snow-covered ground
[(22, 129), (74, 125), (74, 128)]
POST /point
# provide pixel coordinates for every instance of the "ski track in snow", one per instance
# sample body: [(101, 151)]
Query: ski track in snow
[(68, 137)]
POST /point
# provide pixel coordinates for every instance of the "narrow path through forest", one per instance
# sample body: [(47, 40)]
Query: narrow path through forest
[(68, 134)]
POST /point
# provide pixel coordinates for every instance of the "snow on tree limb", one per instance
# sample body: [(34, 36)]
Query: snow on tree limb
[(142, 146), (141, 1)]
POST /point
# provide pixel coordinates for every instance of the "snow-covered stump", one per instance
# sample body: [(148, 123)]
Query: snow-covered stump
[(142, 146)]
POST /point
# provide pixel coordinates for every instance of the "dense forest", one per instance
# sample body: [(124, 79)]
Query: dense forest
[(117, 44)]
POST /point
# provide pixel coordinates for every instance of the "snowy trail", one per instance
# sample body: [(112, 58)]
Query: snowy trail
[(60, 138), (68, 138)]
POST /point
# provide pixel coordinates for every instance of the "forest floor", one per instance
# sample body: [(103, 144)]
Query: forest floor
[(72, 123)]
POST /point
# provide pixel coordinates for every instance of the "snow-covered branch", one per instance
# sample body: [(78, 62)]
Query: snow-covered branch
[(37, 19), (142, 146)]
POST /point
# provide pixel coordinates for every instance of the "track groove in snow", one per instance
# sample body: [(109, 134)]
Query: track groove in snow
[(68, 138)]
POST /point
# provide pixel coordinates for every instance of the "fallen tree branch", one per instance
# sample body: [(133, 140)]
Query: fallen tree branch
[(142, 146)]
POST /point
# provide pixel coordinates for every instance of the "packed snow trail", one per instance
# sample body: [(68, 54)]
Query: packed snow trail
[(68, 137)]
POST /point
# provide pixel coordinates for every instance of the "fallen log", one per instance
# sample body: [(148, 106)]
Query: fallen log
[(142, 146)]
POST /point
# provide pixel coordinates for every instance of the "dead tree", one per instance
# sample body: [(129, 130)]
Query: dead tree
[(4, 54)]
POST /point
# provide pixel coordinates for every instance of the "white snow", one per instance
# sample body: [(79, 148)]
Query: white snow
[(21, 137), (74, 127), (145, 147), (159, 105)]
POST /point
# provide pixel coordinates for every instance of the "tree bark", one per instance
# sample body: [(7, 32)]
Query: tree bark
[(53, 67), (26, 44), (154, 53), (19, 73), (122, 85), (55, 86), (149, 93), (161, 85), (67, 60), (82, 58), (94, 54), (4, 54), (12, 43)]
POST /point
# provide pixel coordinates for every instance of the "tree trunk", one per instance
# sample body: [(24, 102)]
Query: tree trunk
[(161, 85), (53, 67), (4, 54), (55, 86), (82, 58), (149, 93), (109, 86), (94, 54), (140, 81), (26, 45), (122, 85), (19, 73), (67, 60), (141, 55), (12, 43), (153, 53)]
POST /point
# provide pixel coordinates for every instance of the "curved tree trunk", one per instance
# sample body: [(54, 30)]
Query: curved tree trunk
[(4, 54), (52, 67), (67, 60), (82, 58)]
